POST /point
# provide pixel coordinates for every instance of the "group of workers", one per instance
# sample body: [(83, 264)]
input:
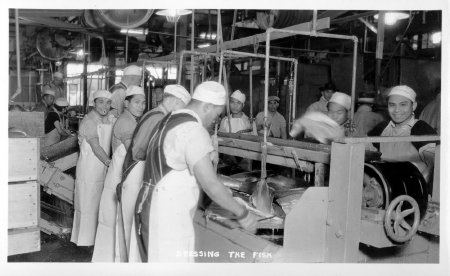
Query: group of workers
[(138, 204), (139, 176)]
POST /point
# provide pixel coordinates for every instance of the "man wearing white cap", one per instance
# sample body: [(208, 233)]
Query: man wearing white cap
[(132, 75), (178, 165), (338, 107), (57, 85), (104, 250), (365, 118), (94, 138), (48, 98), (276, 124), (401, 106), (175, 97), (239, 121)]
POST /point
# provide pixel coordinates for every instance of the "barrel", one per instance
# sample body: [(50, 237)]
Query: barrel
[(399, 178)]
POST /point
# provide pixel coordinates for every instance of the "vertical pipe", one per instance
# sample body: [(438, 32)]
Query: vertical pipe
[(220, 67), (355, 55), (233, 27), (85, 88), (314, 22), (19, 81), (205, 63), (379, 50), (175, 40), (180, 68), (266, 96), (294, 97), (192, 49), (251, 88), (126, 48)]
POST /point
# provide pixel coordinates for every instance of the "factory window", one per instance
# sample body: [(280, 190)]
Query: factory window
[(74, 85)]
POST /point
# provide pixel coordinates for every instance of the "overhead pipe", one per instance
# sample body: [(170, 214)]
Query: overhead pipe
[(192, 56), (180, 65), (19, 81)]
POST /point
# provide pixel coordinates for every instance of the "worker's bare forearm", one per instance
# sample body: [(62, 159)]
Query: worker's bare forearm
[(98, 150), (209, 182)]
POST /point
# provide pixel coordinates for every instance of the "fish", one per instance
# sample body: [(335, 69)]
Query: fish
[(262, 197)]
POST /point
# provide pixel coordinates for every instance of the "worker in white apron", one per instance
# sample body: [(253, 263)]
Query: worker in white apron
[(94, 138), (54, 126), (175, 97), (179, 164), (238, 120), (104, 250), (401, 106)]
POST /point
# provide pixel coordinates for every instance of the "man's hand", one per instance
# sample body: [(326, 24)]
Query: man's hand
[(248, 222)]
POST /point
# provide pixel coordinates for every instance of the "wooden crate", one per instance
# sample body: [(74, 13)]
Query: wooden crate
[(32, 123), (24, 240), (56, 182), (23, 157), (23, 204)]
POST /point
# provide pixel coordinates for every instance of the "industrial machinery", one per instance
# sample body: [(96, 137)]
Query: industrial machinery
[(373, 211)]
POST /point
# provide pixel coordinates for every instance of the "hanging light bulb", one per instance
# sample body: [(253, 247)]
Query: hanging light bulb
[(172, 15)]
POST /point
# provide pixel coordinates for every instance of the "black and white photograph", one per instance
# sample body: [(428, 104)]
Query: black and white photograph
[(225, 138)]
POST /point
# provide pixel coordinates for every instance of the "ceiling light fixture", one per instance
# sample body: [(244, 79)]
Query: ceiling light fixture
[(436, 37), (390, 18), (172, 15)]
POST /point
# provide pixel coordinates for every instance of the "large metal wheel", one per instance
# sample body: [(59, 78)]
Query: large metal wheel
[(401, 220)]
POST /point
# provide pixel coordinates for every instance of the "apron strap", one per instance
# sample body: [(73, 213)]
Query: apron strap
[(155, 169)]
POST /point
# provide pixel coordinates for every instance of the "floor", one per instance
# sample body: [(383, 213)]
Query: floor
[(54, 249)]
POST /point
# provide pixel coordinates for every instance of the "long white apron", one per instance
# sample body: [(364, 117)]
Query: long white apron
[(104, 249), (88, 188), (171, 230), (130, 191)]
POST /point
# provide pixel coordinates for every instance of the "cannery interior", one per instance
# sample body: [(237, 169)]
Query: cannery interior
[(225, 135)]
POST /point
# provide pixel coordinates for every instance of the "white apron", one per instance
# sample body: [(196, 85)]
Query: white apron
[(88, 188), (104, 249), (403, 151), (130, 191), (171, 230)]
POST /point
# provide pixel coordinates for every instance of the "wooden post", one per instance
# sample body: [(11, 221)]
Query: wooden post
[(319, 174), (344, 202)]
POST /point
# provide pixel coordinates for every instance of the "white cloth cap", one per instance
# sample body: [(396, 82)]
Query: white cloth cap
[(178, 91), (49, 91), (238, 95), (366, 100), (61, 102), (102, 94), (403, 90), (210, 92), (132, 70), (58, 75), (134, 90), (341, 99), (273, 98)]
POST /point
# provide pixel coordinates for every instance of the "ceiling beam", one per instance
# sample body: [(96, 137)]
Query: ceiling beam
[(46, 13), (54, 23), (353, 17), (323, 23)]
